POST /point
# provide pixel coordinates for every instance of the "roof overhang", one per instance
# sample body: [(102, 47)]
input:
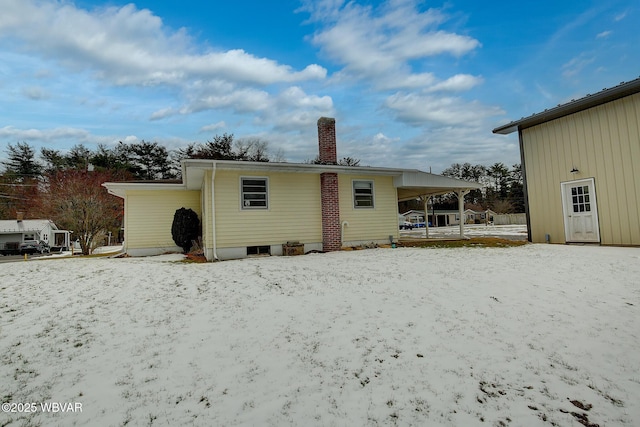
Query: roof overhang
[(193, 169), (120, 188), (589, 101), (411, 183)]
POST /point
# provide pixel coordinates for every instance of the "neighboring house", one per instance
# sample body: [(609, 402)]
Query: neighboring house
[(581, 163), (250, 208), (18, 230), (436, 218), (412, 216), (479, 217)]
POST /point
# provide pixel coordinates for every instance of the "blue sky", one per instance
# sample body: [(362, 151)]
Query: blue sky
[(414, 84)]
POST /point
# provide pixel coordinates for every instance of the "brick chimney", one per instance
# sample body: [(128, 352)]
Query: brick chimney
[(327, 141), (331, 232)]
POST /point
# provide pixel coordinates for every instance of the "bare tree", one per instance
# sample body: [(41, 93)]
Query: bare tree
[(77, 201), (349, 161), (252, 149), (502, 206)]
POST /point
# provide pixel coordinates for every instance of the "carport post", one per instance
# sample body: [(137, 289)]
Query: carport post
[(426, 216), (461, 194)]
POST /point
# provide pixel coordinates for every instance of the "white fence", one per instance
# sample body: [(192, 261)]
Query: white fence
[(510, 219)]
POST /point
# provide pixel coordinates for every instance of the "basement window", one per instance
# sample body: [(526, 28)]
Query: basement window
[(258, 250), (363, 194), (254, 193)]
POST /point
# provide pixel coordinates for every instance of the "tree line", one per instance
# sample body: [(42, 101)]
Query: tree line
[(142, 160), (66, 187), (503, 190)]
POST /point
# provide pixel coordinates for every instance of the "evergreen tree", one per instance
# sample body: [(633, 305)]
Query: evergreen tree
[(115, 159), (516, 188), (221, 148), (21, 164), (79, 157), (20, 182), (150, 160), (53, 160)]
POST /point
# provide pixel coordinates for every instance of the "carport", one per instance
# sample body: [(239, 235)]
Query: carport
[(414, 184)]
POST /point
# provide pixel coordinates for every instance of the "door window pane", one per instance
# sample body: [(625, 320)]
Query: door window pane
[(580, 199)]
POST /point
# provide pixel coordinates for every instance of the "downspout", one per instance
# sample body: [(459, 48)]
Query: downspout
[(213, 210), (344, 224)]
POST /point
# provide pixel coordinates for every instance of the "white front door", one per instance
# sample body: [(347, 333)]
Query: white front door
[(580, 211)]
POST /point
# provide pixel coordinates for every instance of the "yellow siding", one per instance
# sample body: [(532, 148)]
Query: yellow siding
[(369, 224), (603, 143), (294, 212), (149, 215)]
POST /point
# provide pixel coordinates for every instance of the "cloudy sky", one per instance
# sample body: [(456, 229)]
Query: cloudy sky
[(416, 84)]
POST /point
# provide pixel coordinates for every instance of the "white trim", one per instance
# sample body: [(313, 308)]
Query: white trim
[(119, 189), (213, 212), (590, 182)]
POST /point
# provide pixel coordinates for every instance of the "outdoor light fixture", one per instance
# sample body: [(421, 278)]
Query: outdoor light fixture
[(574, 170)]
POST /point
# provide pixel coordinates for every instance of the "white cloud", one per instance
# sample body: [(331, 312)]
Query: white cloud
[(457, 83), (604, 34), (295, 110), (242, 100), (620, 16), (576, 65), (296, 97), (46, 135), (213, 127), (128, 46), (130, 139), (417, 109), (378, 44), (163, 113), (402, 81), (380, 137)]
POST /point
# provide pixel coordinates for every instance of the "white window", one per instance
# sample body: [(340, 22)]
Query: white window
[(254, 193), (363, 194)]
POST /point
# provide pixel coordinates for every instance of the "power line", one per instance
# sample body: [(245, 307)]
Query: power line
[(20, 185), (3, 196)]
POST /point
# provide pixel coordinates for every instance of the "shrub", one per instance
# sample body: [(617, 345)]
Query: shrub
[(185, 228)]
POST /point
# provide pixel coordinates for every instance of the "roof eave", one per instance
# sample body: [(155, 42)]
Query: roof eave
[(287, 167), (120, 189)]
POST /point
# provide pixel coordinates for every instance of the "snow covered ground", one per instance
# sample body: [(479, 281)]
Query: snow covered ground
[(537, 335)]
